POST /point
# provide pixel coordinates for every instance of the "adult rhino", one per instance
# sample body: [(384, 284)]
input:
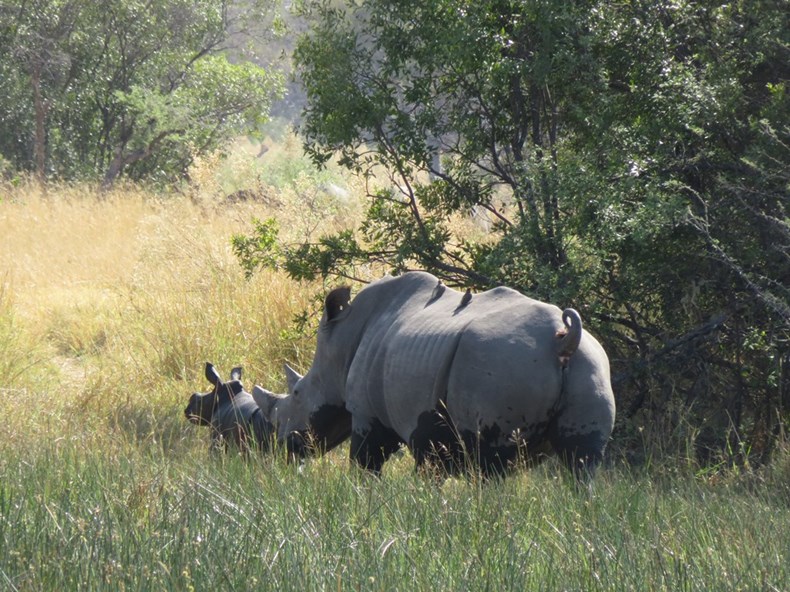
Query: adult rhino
[(458, 378)]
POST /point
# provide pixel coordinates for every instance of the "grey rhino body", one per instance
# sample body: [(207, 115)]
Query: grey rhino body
[(457, 377), (231, 413)]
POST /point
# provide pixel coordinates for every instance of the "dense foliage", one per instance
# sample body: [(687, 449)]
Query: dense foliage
[(632, 156), (125, 87)]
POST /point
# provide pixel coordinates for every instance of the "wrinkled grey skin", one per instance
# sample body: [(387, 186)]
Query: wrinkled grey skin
[(231, 413), (459, 378)]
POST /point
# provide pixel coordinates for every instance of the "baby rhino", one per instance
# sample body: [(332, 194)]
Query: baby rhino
[(231, 412)]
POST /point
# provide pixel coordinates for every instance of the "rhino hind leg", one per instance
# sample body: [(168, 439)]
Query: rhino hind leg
[(580, 452), (438, 443), (495, 453), (237, 437), (372, 446)]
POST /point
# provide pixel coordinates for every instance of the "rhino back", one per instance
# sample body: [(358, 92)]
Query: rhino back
[(342, 346), (483, 360), (385, 311), (506, 372), (238, 411)]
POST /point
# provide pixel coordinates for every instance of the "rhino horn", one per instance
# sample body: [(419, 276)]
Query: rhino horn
[(292, 377), (235, 374), (265, 400)]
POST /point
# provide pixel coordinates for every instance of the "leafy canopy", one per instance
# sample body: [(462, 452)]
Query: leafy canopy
[(127, 87), (632, 159)]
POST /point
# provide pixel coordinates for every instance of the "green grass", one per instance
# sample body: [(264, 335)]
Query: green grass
[(105, 486), (93, 516)]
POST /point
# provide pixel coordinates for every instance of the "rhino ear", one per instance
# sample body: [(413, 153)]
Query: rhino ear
[(212, 375), (234, 387), (291, 376), (337, 302), (235, 374)]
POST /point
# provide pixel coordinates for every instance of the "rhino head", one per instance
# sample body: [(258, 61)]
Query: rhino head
[(312, 418), (202, 406)]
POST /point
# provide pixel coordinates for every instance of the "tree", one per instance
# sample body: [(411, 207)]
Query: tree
[(697, 238), (123, 87), (407, 80), (634, 156)]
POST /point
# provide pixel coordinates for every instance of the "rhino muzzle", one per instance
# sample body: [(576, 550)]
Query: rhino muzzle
[(299, 445), (195, 412)]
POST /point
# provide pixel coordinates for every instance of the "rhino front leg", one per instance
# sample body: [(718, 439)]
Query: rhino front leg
[(436, 444), (372, 443)]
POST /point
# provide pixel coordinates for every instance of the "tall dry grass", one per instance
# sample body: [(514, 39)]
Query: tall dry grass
[(110, 304)]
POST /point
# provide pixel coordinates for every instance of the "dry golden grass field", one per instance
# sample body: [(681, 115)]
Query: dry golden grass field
[(110, 304)]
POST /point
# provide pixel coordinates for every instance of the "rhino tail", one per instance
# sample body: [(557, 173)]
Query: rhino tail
[(570, 336)]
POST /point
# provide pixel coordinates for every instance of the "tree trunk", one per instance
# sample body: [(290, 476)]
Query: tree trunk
[(121, 160), (40, 142), (113, 170)]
